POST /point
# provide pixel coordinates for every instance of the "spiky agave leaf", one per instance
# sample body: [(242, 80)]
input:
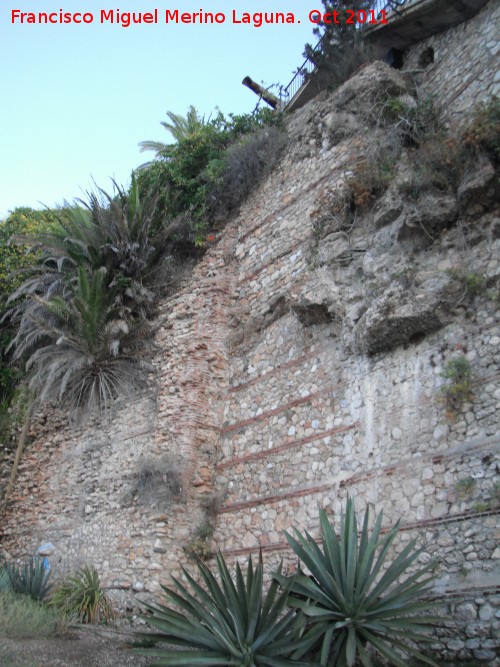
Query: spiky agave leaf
[(82, 597), (29, 578), (355, 597), (221, 621)]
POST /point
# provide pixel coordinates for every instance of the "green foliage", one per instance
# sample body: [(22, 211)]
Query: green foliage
[(30, 578), (82, 597), (189, 174), (353, 597), (200, 544), (111, 232), (227, 622), (342, 48), (5, 583), (81, 313), (81, 350), (458, 389), (473, 284), (465, 487), (16, 258), (24, 618), (484, 128)]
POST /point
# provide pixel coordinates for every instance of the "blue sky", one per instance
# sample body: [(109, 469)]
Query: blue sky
[(77, 99)]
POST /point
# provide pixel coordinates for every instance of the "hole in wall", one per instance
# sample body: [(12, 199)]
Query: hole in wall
[(426, 58)]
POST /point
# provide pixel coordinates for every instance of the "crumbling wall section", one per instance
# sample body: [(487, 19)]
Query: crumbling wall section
[(459, 66)]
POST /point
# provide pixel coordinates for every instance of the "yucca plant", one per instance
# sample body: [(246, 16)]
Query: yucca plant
[(82, 597), (355, 597), (228, 623), (29, 578)]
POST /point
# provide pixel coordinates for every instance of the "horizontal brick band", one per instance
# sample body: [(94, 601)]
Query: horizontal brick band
[(271, 262), (472, 446), (289, 444), (277, 411), (278, 369), (293, 199), (284, 546)]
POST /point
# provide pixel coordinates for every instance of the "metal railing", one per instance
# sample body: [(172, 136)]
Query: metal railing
[(288, 92)]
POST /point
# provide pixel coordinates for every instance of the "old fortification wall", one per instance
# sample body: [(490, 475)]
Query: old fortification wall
[(298, 363), (465, 68)]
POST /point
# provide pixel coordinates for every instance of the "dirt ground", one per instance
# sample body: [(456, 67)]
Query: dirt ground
[(85, 646)]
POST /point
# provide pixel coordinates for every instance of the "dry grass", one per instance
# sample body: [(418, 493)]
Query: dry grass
[(23, 618)]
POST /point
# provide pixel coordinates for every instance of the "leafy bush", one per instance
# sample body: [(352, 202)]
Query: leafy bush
[(5, 583), (227, 623), (82, 597), (30, 578), (484, 128), (242, 166), (187, 173), (81, 313), (353, 598), (342, 48), (24, 618), (16, 258), (458, 389)]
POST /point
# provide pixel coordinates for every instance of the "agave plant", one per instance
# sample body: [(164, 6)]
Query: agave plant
[(355, 597), (5, 583), (30, 578), (228, 623), (82, 597)]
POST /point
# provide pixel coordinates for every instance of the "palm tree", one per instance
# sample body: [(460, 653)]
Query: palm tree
[(81, 349), (80, 312), (180, 128), (111, 231)]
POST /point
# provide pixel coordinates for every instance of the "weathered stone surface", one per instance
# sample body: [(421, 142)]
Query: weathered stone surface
[(388, 208), (365, 93), (260, 397), (425, 219), (478, 186)]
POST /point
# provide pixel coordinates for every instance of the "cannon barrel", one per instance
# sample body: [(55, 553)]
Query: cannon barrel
[(268, 97)]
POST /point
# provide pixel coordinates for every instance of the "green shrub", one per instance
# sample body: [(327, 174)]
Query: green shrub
[(81, 313), (81, 597), (241, 168), (354, 598), (341, 49), (24, 618), (227, 622), (465, 487), (188, 174), (484, 128), (458, 389), (29, 578)]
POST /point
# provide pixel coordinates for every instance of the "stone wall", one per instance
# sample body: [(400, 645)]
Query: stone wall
[(308, 421), (465, 67), (293, 370), (124, 494)]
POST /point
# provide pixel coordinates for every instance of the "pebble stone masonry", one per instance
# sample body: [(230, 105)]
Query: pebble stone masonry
[(279, 417)]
